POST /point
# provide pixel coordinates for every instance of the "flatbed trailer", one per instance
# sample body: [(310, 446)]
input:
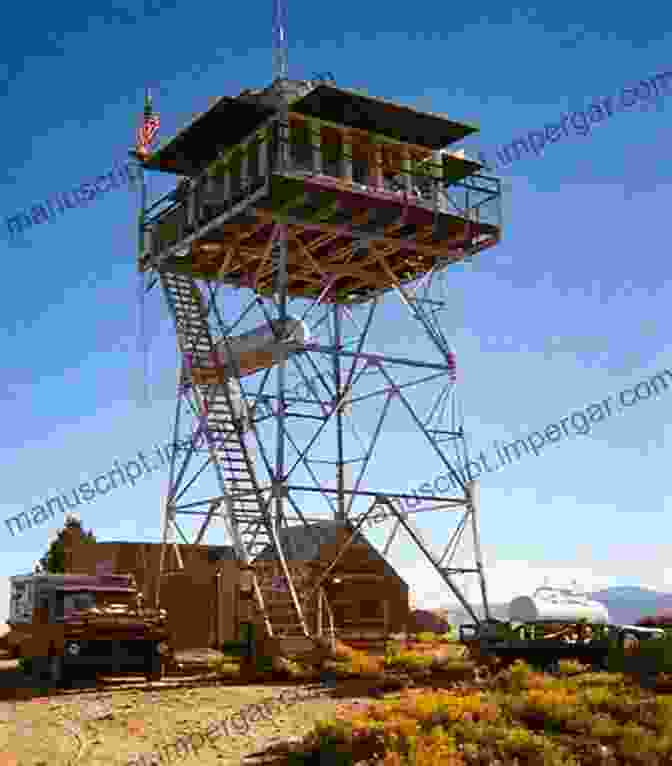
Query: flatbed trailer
[(541, 647)]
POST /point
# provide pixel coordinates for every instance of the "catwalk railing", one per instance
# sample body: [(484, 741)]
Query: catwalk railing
[(242, 172)]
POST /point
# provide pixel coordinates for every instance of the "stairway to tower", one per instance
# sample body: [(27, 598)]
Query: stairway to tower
[(280, 607), (222, 425)]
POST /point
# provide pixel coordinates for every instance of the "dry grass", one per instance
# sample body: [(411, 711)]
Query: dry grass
[(95, 729)]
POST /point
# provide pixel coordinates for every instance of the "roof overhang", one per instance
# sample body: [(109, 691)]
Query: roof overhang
[(230, 119), (94, 589), (376, 115), (226, 123)]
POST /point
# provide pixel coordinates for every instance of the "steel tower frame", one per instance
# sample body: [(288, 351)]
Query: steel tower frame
[(277, 504), (230, 418)]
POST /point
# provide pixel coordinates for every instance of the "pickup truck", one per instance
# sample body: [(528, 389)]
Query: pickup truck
[(70, 623)]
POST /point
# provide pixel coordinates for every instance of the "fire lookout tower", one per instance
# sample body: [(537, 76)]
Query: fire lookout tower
[(301, 211)]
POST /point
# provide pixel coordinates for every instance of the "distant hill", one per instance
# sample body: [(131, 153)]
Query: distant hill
[(626, 605)]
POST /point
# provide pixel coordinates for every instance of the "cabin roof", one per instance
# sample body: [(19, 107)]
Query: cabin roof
[(377, 115), (230, 119), (193, 148)]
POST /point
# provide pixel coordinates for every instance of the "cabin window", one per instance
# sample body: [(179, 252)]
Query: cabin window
[(301, 147), (253, 162), (235, 168), (332, 149), (360, 171)]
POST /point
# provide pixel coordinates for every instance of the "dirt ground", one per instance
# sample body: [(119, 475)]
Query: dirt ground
[(102, 727)]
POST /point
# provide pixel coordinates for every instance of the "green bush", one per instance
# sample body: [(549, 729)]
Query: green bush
[(409, 661), (263, 664), (392, 648), (234, 648), (26, 665)]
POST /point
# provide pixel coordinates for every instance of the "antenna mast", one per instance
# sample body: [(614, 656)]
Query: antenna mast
[(279, 39)]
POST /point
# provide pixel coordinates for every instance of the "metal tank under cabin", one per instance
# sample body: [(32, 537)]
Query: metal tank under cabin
[(254, 350), (263, 346), (557, 605)]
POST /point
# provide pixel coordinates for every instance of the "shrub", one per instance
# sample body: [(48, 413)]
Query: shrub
[(435, 750), (233, 648), (517, 676), (288, 668), (541, 707), (519, 740), (25, 665), (228, 669), (393, 648), (342, 651), (362, 664), (264, 664), (570, 667), (357, 664), (592, 719), (409, 661), (603, 727)]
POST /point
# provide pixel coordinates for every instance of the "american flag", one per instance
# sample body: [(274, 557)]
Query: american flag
[(149, 127)]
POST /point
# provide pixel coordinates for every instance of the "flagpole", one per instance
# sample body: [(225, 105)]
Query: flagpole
[(142, 330)]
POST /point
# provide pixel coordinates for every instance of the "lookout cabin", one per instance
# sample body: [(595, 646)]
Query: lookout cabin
[(368, 189)]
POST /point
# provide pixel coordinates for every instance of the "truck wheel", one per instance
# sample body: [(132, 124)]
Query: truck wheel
[(37, 668), (552, 667), (56, 670), (154, 664)]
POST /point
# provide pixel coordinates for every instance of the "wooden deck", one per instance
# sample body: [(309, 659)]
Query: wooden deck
[(356, 240)]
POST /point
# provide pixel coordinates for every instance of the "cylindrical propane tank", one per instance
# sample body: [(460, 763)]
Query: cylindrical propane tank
[(255, 350), (262, 347), (557, 605)]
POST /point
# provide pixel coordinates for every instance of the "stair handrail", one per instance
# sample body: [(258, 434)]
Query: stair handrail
[(330, 616)]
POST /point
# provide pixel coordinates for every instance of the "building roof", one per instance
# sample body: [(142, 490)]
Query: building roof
[(300, 543), (213, 552), (303, 542), (221, 553), (119, 583)]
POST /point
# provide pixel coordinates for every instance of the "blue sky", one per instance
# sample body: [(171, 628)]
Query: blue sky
[(568, 309)]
